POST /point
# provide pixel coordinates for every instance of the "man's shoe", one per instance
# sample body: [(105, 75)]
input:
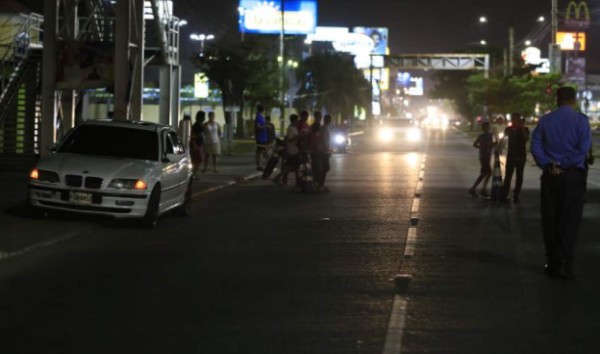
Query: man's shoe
[(567, 273), (559, 272), (483, 193), (552, 271), (473, 193)]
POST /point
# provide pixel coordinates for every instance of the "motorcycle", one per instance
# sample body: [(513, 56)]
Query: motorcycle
[(340, 141)]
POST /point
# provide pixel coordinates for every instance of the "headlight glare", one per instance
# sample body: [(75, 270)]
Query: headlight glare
[(386, 134), (413, 134)]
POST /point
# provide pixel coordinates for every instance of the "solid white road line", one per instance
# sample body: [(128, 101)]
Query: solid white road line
[(395, 331), (36, 246)]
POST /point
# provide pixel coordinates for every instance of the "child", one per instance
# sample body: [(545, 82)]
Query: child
[(485, 143)]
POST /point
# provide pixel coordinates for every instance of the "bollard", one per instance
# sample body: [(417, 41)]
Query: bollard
[(496, 178)]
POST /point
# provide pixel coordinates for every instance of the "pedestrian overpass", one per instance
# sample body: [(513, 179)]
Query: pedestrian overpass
[(477, 62)]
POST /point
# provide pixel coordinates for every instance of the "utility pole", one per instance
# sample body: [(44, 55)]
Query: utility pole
[(282, 69), (511, 49), (554, 20), (554, 49)]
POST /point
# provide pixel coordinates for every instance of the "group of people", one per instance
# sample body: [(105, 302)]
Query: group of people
[(204, 141), (304, 145), (561, 146), (516, 137)]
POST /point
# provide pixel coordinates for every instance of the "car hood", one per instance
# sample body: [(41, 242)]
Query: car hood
[(96, 166)]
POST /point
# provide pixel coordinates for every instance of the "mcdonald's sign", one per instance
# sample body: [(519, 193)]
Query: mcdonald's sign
[(577, 15)]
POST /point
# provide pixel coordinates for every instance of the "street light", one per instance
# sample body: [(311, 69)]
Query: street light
[(202, 37), (508, 58), (528, 43), (541, 19), (483, 42)]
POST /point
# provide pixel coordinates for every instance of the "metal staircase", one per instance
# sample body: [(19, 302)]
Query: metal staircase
[(20, 95)]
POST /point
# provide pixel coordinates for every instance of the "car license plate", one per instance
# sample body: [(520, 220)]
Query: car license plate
[(80, 198)]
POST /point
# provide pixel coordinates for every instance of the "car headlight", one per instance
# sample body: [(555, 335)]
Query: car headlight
[(413, 134), (339, 139), (44, 176), (136, 184), (386, 134)]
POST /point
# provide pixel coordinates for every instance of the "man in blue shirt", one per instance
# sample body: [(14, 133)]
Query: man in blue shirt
[(260, 135), (559, 145)]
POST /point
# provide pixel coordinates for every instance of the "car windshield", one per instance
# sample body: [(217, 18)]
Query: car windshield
[(112, 141)]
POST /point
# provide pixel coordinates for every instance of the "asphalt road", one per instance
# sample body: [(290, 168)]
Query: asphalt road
[(258, 268)]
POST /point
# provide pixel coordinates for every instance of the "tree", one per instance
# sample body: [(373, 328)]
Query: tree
[(331, 82), (240, 70), (526, 94)]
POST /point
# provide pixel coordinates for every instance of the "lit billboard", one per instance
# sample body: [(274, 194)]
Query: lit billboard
[(571, 40), (264, 17), (379, 36), (201, 88)]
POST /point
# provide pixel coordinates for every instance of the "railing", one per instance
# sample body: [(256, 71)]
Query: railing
[(13, 59)]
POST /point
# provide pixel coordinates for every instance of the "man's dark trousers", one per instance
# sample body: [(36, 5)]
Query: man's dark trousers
[(562, 208), (513, 164)]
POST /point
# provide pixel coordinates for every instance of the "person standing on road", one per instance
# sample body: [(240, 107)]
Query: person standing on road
[(559, 145), (260, 135), (196, 141), (315, 148), (292, 159), (485, 143), (324, 151), (516, 156), (303, 132), (212, 141)]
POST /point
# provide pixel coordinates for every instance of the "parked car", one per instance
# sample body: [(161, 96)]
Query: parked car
[(116, 168)]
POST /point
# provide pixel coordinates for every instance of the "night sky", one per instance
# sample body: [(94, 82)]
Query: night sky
[(416, 26)]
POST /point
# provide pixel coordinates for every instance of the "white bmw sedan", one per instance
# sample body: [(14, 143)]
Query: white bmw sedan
[(115, 168)]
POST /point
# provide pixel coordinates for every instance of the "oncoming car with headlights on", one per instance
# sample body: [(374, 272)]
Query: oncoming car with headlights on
[(398, 132), (115, 168)]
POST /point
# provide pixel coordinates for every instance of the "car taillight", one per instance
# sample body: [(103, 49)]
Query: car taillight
[(34, 174)]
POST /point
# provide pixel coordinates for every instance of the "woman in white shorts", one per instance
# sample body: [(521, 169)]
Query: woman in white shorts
[(212, 141)]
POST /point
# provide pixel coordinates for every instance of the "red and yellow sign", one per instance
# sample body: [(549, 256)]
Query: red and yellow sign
[(571, 41)]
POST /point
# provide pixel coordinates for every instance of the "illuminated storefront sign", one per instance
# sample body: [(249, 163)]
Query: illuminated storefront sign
[(201, 88), (532, 55), (327, 34), (416, 87), (577, 15), (354, 43), (571, 40), (264, 17)]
